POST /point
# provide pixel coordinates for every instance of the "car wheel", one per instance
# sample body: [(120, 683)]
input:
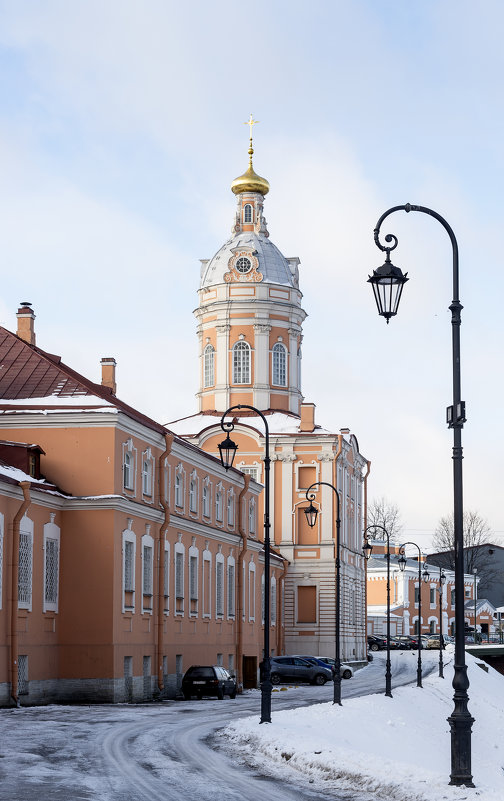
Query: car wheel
[(275, 678), (220, 694), (319, 679), (374, 647), (347, 674)]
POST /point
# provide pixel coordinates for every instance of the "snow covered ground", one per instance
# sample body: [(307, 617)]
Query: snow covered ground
[(395, 748)]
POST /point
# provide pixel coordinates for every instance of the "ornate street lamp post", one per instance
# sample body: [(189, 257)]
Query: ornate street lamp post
[(387, 283), (442, 579), (227, 450), (367, 548), (311, 513), (402, 564)]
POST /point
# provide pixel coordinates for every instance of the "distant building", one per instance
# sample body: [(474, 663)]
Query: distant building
[(490, 575)]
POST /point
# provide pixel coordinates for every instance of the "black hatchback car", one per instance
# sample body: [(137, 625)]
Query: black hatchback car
[(293, 668), (202, 680)]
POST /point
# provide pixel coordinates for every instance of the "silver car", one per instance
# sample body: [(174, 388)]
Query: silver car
[(295, 669)]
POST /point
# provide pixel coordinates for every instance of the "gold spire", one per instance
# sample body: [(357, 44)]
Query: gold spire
[(250, 181)]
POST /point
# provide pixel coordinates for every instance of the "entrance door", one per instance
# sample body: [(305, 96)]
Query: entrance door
[(249, 672)]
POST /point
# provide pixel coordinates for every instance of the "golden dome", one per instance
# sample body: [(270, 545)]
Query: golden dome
[(250, 181)]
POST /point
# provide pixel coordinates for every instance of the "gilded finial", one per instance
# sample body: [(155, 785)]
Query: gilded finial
[(249, 181)]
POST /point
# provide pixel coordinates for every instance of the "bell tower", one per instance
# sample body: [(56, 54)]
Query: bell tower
[(249, 313)]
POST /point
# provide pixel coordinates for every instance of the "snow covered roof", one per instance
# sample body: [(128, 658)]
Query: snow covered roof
[(279, 423)]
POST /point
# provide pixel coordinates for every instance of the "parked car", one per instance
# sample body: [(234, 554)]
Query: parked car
[(434, 640), (402, 642), (346, 671), (377, 643), (409, 641), (293, 668), (203, 680)]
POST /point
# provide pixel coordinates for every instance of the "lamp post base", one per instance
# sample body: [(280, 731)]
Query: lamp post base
[(461, 727)]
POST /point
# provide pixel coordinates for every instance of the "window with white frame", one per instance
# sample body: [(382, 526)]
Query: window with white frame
[(252, 516), (166, 577), (178, 489), (219, 585), (166, 483), (247, 213), (273, 601), (193, 493), (230, 508), (231, 587), (241, 363), (147, 572), (207, 583), (25, 564), (193, 580), (129, 465), (51, 566), (147, 471), (179, 578), (244, 590), (206, 497), (252, 590), (208, 366), (219, 504), (128, 554), (253, 472), (279, 357), (432, 596), (1, 555)]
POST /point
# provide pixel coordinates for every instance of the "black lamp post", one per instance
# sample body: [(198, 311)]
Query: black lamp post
[(402, 565), (387, 282), (367, 548), (442, 579), (227, 450), (311, 513)]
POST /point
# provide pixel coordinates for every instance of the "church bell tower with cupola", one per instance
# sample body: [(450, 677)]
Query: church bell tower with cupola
[(249, 314)]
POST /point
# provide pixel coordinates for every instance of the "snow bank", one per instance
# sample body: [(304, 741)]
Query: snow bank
[(395, 748)]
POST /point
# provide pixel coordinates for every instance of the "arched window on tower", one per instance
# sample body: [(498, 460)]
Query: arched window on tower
[(247, 213), (208, 366), (279, 365), (241, 363)]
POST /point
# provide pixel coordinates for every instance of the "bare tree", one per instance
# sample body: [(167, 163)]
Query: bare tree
[(384, 513), (477, 537)]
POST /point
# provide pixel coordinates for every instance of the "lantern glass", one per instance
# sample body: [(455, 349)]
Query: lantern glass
[(387, 282), (311, 513), (442, 579), (368, 549), (402, 563), (426, 574), (227, 450)]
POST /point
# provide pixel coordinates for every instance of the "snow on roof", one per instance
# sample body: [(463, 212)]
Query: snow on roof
[(18, 475), (58, 400), (279, 423)]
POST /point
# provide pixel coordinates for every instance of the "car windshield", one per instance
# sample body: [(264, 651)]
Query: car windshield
[(201, 673)]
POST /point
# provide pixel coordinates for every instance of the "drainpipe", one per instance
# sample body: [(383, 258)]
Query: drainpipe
[(239, 586), (13, 662), (163, 528)]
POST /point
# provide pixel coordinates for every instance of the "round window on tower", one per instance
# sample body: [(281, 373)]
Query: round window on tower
[(243, 265)]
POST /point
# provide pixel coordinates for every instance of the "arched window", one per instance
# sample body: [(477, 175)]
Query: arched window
[(247, 213), (279, 365), (208, 366), (241, 363)]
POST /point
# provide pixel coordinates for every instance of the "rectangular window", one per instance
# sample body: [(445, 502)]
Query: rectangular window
[(23, 686), (51, 571), (219, 590), (166, 579), (147, 679), (230, 510), (251, 598), (25, 570), (207, 610), (128, 678), (433, 596), (307, 605), (231, 590), (218, 507), (417, 595), (206, 501), (178, 490), (306, 477), (129, 549), (193, 578), (147, 570), (452, 597), (147, 477), (193, 500), (273, 603), (253, 472), (252, 517), (179, 581)]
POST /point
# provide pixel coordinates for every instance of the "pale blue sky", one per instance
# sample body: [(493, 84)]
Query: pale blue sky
[(121, 131)]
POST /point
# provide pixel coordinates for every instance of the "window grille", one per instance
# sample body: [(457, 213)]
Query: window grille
[(25, 569), (231, 590), (23, 687), (279, 365), (147, 570), (51, 571), (129, 550), (241, 363), (193, 578), (179, 575), (218, 507), (208, 366), (219, 581)]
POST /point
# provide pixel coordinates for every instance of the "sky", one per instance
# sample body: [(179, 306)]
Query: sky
[(121, 129)]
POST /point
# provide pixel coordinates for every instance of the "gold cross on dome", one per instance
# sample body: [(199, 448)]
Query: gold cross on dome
[(251, 122)]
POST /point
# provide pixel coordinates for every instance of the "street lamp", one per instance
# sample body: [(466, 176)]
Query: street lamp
[(475, 593), (402, 565), (311, 513), (442, 579), (227, 450), (367, 548), (387, 282)]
